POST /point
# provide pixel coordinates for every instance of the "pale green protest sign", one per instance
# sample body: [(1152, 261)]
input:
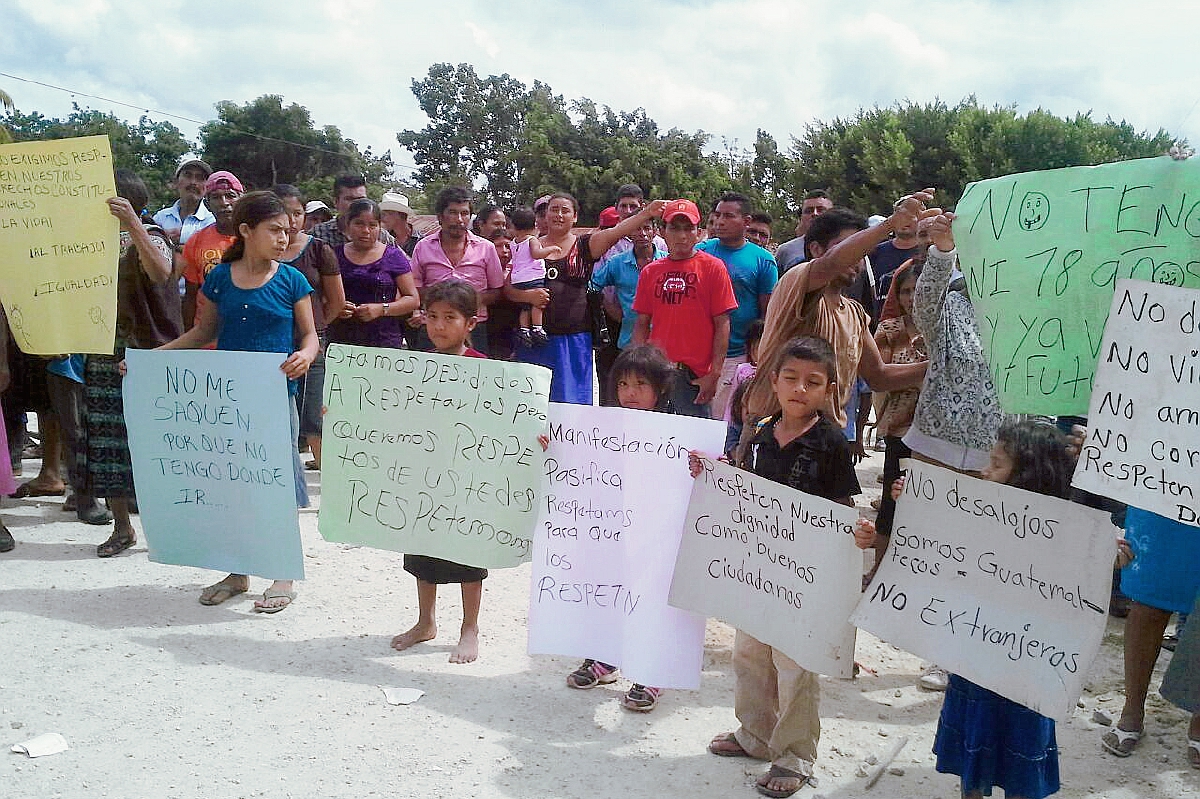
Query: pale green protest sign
[(432, 454), (1043, 251)]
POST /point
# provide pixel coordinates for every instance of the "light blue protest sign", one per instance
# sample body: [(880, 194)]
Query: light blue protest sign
[(211, 444)]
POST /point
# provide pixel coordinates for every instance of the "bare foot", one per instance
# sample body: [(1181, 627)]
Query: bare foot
[(419, 632), (468, 646)]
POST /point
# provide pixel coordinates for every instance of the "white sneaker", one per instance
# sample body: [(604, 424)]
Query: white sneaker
[(934, 678)]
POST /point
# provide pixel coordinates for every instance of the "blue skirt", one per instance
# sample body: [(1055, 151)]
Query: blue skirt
[(569, 359), (989, 741), (1163, 574)]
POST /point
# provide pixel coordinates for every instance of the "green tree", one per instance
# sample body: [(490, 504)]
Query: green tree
[(474, 131), (869, 160), (513, 143), (264, 143), (151, 149)]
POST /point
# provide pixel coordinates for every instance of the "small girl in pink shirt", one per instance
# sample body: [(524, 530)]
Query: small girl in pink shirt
[(528, 271)]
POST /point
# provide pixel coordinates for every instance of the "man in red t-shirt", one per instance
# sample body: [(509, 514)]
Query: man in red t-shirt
[(683, 303), (204, 249)]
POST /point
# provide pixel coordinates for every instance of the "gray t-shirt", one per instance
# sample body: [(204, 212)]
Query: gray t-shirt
[(790, 253)]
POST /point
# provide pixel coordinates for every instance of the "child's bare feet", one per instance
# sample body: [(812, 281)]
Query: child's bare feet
[(468, 646), (419, 632)]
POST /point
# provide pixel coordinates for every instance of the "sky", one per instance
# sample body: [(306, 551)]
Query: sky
[(728, 67)]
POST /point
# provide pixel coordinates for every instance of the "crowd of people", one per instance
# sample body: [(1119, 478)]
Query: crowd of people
[(664, 307)]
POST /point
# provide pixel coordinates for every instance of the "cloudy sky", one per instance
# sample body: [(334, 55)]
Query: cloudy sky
[(728, 67)]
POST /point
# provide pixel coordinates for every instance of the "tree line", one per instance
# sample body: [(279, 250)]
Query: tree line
[(514, 142)]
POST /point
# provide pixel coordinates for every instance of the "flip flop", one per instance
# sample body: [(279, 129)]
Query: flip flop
[(268, 595), (732, 747), (216, 594), (1120, 742), (780, 773), (30, 490)]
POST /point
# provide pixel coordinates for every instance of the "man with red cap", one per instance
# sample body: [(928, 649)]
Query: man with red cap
[(204, 249), (683, 304)]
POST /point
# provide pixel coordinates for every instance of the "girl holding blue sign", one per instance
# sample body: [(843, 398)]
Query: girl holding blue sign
[(253, 303)]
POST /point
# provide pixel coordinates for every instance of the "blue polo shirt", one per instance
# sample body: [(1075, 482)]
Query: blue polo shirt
[(621, 271), (168, 219), (753, 272)]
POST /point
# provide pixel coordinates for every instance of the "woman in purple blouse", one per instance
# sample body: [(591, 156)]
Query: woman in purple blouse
[(378, 281)]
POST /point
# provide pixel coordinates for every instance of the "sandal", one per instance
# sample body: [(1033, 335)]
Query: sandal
[(31, 489), (1193, 752), (641, 698), (268, 595), (727, 746), (780, 773), (592, 673), (220, 592), (1121, 742), (116, 544)]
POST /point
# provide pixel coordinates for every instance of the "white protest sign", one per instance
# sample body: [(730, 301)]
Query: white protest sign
[(1004, 587), (774, 562), (612, 507), (1143, 440)]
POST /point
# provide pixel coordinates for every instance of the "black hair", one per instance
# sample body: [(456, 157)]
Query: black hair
[(737, 413), (562, 195), (1039, 454), (484, 214), (912, 273), (648, 362), (733, 197), (251, 209), (132, 188), (496, 235), (458, 294), (363, 205), (285, 190), (451, 195), (522, 219), (630, 190), (809, 348), (813, 194), (762, 217), (347, 181), (754, 332), (829, 225)]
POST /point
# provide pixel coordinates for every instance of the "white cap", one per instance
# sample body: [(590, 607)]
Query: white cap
[(315, 205), (394, 201)]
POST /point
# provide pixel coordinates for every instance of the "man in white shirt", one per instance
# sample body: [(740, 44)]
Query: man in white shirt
[(188, 214)]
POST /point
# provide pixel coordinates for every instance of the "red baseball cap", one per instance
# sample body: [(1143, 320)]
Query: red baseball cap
[(686, 207), (223, 180), (609, 217)]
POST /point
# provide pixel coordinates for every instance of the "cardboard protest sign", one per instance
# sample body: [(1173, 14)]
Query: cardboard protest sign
[(432, 454), (211, 443), (1043, 252), (1004, 587), (776, 563), (1143, 439), (611, 511), (59, 245)]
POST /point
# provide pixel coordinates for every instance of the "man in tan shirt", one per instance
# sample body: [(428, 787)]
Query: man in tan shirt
[(808, 301)]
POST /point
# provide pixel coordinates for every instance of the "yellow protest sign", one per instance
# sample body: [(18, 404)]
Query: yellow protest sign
[(59, 245)]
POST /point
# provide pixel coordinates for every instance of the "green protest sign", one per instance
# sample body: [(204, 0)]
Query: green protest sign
[(432, 454), (1043, 251)]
